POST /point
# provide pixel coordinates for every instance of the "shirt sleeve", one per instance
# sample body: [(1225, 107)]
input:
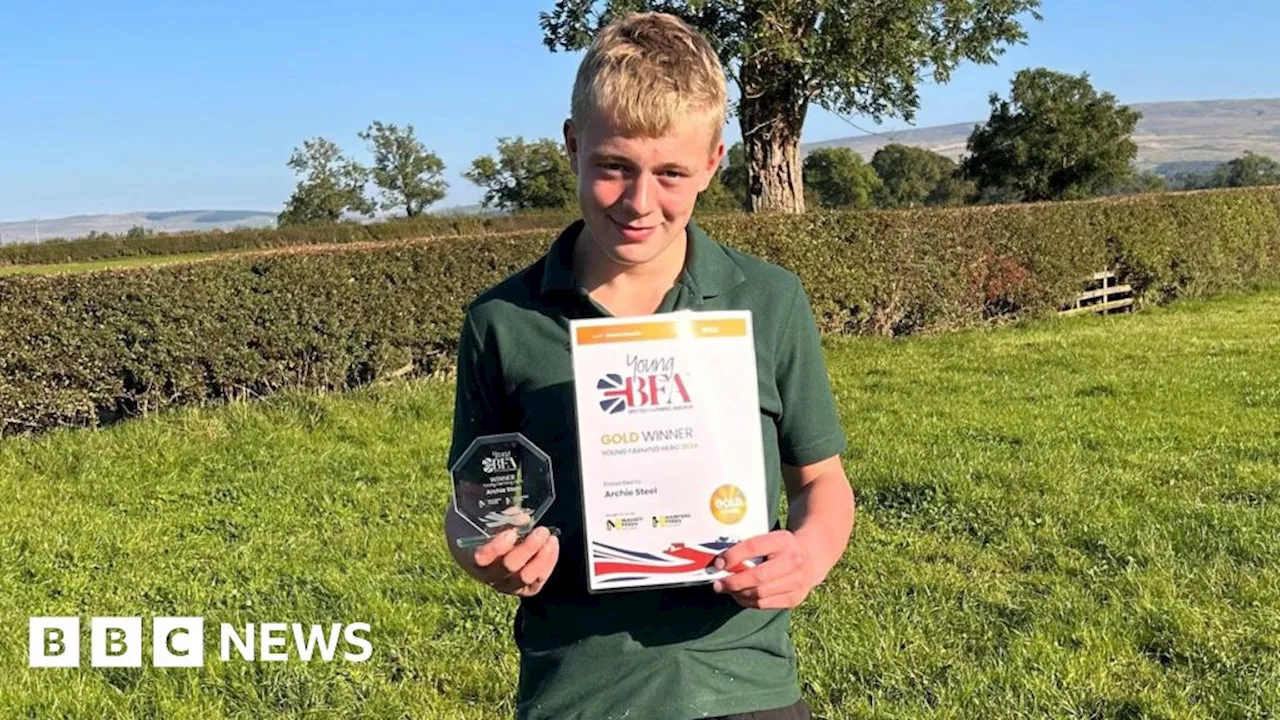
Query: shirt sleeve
[(809, 429), (477, 395)]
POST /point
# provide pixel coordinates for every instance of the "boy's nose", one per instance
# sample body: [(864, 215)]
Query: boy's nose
[(639, 195)]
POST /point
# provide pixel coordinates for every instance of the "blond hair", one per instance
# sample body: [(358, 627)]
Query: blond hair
[(648, 71)]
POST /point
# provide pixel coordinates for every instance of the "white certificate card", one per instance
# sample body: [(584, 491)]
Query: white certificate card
[(668, 423)]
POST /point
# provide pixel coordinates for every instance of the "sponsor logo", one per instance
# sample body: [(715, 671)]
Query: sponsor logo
[(622, 523), (669, 521)]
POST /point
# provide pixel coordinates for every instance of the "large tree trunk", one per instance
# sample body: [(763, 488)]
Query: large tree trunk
[(775, 180), (771, 115)]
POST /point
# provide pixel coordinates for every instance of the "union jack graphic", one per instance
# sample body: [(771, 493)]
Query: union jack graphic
[(615, 565), (617, 393)]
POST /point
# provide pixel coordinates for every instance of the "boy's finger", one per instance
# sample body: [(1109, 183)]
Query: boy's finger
[(770, 597), (538, 569), (530, 579), (735, 555), (739, 581), (520, 555), (488, 553), (758, 546), (774, 594), (760, 575), (782, 586)]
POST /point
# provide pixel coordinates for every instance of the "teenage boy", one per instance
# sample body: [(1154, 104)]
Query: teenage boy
[(644, 139)]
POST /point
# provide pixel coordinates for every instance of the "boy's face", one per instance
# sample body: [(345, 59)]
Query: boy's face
[(637, 193)]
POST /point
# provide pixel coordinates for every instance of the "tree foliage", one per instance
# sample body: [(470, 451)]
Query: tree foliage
[(865, 58), (406, 172), (331, 185), (840, 178), (953, 190), (1247, 170), (1055, 138), (1138, 183), (728, 189), (525, 176), (734, 174), (914, 176), (717, 198)]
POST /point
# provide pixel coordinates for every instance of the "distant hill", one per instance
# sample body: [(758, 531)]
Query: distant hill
[(167, 221), (1172, 137), (475, 209), (172, 221)]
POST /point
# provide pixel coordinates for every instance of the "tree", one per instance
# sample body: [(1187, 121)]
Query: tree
[(734, 174), (1056, 138), (727, 191), (848, 57), (332, 185), (952, 190), (1247, 170), (1191, 181), (526, 176), (840, 178), (997, 195), (717, 198), (1136, 183), (403, 169), (914, 176)]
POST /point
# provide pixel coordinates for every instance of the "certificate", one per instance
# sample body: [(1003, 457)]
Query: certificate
[(668, 419)]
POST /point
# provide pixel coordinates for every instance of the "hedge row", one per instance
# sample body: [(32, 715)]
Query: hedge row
[(101, 247), (80, 349)]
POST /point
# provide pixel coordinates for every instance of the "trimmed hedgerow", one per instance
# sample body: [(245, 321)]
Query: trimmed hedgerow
[(101, 247), (80, 349)]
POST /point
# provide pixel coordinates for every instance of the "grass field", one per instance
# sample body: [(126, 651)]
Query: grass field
[(1073, 519)]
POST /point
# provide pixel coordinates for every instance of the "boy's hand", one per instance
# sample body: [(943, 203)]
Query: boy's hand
[(517, 568), (782, 580)]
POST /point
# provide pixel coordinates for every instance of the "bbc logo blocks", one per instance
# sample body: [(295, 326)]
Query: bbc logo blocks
[(116, 642), (54, 641)]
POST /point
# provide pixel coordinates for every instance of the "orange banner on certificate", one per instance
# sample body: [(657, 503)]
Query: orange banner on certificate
[(662, 330)]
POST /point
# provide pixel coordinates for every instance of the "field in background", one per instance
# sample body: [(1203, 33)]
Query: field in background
[(1069, 519), (111, 263)]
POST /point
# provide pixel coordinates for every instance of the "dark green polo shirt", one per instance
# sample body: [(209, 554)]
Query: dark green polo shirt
[(652, 654)]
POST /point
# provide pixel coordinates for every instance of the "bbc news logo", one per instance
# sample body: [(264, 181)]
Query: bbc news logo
[(176, 642)]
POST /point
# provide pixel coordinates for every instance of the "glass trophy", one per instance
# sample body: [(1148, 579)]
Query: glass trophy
[(500, 482)]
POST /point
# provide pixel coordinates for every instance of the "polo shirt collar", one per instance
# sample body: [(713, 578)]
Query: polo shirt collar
[(557, 271), (708, 270)]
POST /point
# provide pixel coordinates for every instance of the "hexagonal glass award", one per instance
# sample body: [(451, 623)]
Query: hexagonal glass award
[(500, 482)]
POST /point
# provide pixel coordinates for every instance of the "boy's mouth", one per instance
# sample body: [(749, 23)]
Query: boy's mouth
[(634, 233)]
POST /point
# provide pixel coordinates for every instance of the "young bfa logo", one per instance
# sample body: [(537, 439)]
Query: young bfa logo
[(653, 383)]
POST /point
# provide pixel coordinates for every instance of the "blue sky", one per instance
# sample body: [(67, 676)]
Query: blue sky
[(147, 105)]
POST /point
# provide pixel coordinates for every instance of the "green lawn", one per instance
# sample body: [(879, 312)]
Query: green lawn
[(1072, 519), (108, 263)]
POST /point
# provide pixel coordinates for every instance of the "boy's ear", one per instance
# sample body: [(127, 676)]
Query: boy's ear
[(571, 144), (713, 164)]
